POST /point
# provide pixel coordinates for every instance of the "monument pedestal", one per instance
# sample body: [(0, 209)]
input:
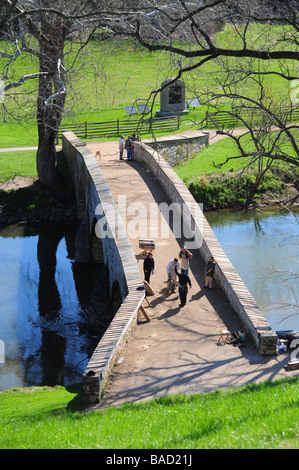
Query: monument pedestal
[(171, 113)]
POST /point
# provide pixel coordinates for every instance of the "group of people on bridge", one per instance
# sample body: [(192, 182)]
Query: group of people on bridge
[(181, 278), (128, 146)]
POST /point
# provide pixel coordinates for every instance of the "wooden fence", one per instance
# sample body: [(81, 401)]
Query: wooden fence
[(89, 130), (230, 119)]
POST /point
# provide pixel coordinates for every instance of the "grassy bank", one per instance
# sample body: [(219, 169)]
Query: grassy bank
[(252, 417), (225, 187), (20, 163)]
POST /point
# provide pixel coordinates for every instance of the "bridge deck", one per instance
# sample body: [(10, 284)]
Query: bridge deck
[(178, 351)]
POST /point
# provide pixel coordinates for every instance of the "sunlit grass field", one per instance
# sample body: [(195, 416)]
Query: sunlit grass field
[(264, 416), (114, 74)]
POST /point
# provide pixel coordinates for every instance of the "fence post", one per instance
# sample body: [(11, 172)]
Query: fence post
[(207, 117), (85, 129), (118, 133), (150, 124)]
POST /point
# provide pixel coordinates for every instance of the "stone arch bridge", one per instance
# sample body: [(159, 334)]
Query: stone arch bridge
[(103, 237)]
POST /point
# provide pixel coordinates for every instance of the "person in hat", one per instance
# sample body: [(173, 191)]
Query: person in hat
[(185, 256), (121, 146), (209, 273)]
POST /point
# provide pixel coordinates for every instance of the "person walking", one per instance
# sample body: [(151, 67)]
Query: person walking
[(184, 280), (209, 273), (121, 146), (185, 256), (172, 277), (148, 266)]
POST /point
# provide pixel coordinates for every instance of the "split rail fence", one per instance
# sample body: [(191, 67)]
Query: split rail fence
[(231, 119), (91, 130)]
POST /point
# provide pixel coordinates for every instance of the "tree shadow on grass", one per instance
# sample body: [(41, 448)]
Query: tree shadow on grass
[(76, 404)]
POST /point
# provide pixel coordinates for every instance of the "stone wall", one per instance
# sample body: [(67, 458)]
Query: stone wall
[(226, 276), (179, 147), (95, 204)]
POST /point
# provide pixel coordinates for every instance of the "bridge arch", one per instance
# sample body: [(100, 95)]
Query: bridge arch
[(96, 244)]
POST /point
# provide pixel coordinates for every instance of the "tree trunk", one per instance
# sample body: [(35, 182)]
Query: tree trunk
[(49, 112), (46, 157)]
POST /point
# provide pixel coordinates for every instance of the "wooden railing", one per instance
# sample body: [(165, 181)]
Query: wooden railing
[(89, 130), (231, 119)]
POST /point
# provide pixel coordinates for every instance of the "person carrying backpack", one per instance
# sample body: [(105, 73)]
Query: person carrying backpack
[(129, 148)]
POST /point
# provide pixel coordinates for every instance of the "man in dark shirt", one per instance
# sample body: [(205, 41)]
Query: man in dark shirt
[(184, 280), (148, 267)]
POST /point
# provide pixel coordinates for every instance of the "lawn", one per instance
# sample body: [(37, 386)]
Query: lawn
[(19, 163), (102, 89), (263, 416), (203, 162)]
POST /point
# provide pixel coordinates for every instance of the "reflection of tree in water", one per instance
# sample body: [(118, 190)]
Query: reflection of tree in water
[(97, 306), (92, 286), (49, 303), (257, 225)]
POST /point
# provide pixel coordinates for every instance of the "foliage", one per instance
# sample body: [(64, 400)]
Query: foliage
[(228, 191), (228, 186)]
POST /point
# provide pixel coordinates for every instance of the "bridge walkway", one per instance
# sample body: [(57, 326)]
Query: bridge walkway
[(178, 350)]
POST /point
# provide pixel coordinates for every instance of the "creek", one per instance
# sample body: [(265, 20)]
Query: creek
[(54, 310), (263, 246), (51, 318)]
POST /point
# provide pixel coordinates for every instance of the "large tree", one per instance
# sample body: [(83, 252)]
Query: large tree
[(187, 30), (42, 28)]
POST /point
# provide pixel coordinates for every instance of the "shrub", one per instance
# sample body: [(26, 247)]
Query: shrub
[(232, 191)]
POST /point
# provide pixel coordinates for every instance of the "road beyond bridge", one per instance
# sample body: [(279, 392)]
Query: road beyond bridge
[(178, 350)]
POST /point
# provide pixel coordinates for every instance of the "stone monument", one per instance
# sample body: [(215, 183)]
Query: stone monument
[(172, 98)]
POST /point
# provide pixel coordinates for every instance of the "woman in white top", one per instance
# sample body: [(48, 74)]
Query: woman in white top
[(185, 256)]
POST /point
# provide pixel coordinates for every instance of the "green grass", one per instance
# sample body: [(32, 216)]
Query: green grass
[(203, 162), (103, 97), (20, 163), (252, 417), (18, 135)]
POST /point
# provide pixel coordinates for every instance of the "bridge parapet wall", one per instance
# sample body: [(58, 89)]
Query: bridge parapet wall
[(256, 325), (178, 148), (95, 201)]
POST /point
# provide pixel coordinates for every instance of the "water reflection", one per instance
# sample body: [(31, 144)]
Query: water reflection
[(263, 246), (53, 310)]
